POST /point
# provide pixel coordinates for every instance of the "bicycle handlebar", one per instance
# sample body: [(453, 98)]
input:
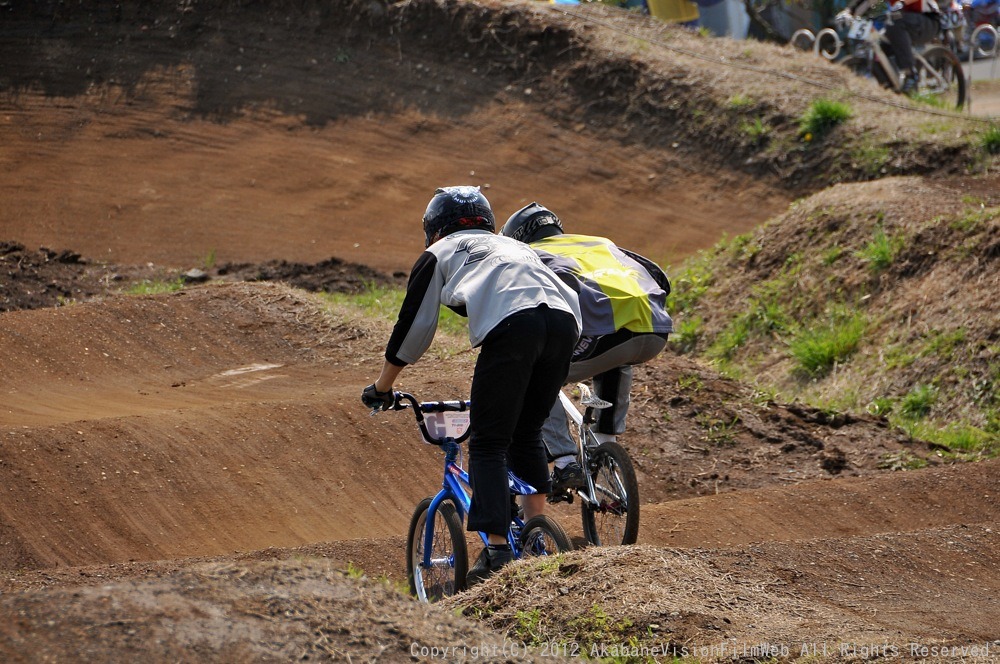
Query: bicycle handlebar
[(404, 400)]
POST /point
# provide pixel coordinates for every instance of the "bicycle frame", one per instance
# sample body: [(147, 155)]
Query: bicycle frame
[(586, 440), (874, 38), (455, 485)]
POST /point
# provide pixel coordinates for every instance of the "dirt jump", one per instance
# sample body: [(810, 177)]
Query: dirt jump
[(190, 475)]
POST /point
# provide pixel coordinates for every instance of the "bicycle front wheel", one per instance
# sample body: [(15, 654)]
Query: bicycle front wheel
[(543, 536), (865, 69), (944, 83), (449, 558), (614, 518)]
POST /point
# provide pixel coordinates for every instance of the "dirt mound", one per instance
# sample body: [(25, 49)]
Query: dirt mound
[(185, 473), (306, 609), (915, 260), (140, 430), (774, 601)]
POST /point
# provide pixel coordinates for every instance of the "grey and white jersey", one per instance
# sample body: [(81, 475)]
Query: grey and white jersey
[(478, 274)]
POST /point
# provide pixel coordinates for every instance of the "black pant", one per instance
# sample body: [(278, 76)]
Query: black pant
[(909, 30), (522, 364)]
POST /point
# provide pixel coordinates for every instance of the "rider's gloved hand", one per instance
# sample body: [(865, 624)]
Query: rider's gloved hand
[(843, 18), (375, 399)]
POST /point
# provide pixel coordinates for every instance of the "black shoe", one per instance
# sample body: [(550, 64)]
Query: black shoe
[(909, 84), (569, 477), (489, 561)]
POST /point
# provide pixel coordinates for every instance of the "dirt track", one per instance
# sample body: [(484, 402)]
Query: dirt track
[(222, 422)]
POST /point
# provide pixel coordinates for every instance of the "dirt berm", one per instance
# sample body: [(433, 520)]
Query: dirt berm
[(189, 476)]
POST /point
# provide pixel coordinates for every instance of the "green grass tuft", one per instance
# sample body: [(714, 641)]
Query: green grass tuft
[(147, 287), (822, 116), (990, 140), (818, 348), (383, 302), (918, 402), (881, 251)]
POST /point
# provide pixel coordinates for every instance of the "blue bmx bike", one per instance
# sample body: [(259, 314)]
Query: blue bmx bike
[(437, 558)]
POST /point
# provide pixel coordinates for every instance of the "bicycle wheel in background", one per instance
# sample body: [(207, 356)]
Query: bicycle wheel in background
[(865, 69), (615, 519), (449, 554), (949, 90), (543, 536)]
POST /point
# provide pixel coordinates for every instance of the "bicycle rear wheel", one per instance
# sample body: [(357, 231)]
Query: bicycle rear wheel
[(614, 519), (543, 536), (449, 553), (945, 85)]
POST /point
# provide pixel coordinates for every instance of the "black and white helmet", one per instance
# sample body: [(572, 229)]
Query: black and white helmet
[(532, 222), (455, 209)]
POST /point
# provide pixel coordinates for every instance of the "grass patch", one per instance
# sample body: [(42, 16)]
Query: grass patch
[(690, 284), (973, 218), (918, 402), (871, 159), (596, 627), (901, 460), (821, 117), (964, 441), (881, 251), (527, 627), (383, 302), (819, 347), (739, 102), (687, 331), (730, 339), (756, 130), (762, 317), (155, 287), (990, 140), (832, 255)]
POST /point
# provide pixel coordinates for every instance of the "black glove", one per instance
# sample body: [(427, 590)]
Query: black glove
[(377, 400)]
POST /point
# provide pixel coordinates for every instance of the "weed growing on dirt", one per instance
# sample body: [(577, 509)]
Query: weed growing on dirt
[(690, 283), (756, 131), (527, 627), (831, 255), (870, 159), (209, 261), (901, 460), (822, 116), (739, 102), (717, 430), (730, 339), (881, 406), (687, 331), (960, 441), (384, 302), (990, 140), (881, 250), (147, 287), (973, 218), (819, 347), (596, 627), (918, 402)]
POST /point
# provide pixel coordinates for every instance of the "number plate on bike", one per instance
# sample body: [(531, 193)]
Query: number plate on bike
[(448, 424), (859, 28)]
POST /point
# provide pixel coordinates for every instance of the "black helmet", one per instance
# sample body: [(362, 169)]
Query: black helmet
[(456, 209), (532, 222)]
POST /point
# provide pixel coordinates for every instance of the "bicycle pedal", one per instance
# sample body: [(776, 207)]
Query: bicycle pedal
[(560, 497)]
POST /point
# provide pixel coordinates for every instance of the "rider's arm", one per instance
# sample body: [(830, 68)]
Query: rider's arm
[(658, 275), (418, 315), (388, 376)]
